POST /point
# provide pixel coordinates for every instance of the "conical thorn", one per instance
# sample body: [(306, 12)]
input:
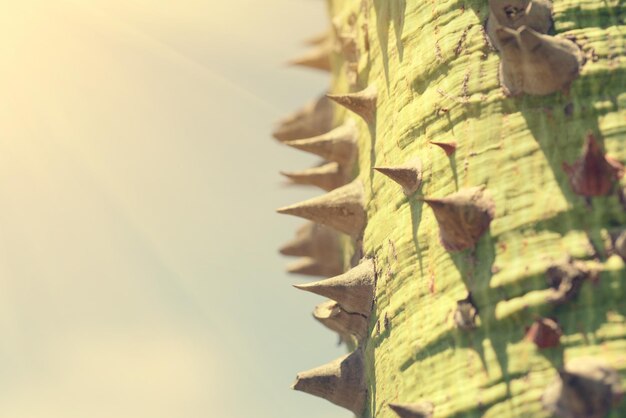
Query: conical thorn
[(448, 147), (418, 410), (340, 144), (463, 217), (317, 58), (308, 266), (342, 209), (565, 280), (409, 175), (586, 388), (535, 14), (319, 39), (333, 317), (534, 63), (341, 382), (315, 118), (315, 241), (363, 103), (327, 177), (353, 290)]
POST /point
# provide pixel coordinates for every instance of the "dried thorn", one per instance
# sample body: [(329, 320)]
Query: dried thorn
[(315, 118), (513, 14), (353, 290), (319, 39), (463, 217), (308, 266), (315, 241), (408, 175), (363, 103), (586, 388), (332, 316), (536, 64), (466, 314), (620, 245), (328, 176), (566, 280), (419, 410), (317, 58), (341, 382), (342, 209), (339, 145)]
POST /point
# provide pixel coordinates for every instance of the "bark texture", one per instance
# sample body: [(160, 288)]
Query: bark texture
[(544, 286)]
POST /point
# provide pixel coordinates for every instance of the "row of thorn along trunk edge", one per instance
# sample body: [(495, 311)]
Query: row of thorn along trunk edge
[(532, 62)]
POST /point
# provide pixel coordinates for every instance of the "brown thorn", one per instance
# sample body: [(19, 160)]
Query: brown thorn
[(353, 290), (463, 217), (448, 147), (408, 175), (341, 382), (342, 209), (363, 102)]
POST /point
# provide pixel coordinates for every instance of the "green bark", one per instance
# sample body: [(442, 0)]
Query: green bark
[(437, 80)]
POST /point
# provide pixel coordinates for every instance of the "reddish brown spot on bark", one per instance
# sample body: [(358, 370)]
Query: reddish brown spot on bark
[(545, 333)]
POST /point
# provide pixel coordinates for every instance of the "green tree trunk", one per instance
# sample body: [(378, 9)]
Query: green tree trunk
[(507, 298)]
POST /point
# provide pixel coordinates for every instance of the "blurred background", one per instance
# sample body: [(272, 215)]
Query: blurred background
[(139, 268)]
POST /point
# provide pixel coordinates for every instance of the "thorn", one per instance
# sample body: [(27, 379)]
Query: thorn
[(319, 39), (566, 279), (620, 245), (308, 266), (346, 38), (586, 388), (343, 323), (536, 64), (341, 382), (593, 174), (535, 14), (409, 175), (317, 58), (545, 333), (466, 314), (448, 147), (315, 241), (463, 217), (315, 118), (353, 290), (363, 102), (342, 209), (328, 176), (418, 410), (338, 145), (348, 47)]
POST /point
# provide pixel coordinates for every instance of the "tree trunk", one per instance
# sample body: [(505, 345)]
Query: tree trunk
[(494, 220)]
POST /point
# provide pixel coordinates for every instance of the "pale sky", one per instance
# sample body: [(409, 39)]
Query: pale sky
[(139, 275)]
